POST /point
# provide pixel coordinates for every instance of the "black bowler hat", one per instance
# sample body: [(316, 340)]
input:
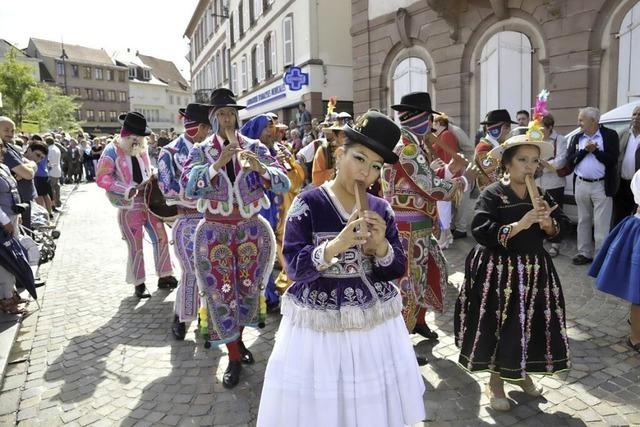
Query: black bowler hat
[(415, 101), (198, 113), (135, 123), (497, 116), (223, 97), (376, 131)]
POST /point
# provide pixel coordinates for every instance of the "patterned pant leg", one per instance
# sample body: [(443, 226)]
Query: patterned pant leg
[(187, 295), (131, 222), (158, 235), (255, 255), (215, 250)]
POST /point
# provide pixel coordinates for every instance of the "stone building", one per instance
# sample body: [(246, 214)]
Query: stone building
[(88, 74), (478, 55)]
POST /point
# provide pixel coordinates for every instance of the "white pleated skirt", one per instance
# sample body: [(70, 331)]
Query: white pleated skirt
[(354, 378)]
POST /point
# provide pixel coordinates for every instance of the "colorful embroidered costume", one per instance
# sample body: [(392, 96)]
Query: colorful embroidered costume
[(488, 166), (510, 313), (413, 188), (170, 165), (617, 265), (235, 247), (342, 355), (117, 174)]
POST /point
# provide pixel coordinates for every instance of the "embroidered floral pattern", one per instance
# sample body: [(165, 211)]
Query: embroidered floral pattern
[(298, 209)]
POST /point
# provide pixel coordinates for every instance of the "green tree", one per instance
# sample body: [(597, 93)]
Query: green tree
[(55, 110), (20, 90)]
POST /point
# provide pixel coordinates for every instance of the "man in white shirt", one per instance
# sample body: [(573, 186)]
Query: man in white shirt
[(593, 153), (55, 171), (628, 164)]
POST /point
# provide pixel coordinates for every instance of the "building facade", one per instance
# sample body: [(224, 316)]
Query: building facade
[(475, 56), (251, 46), (156, 88), (32, 63), (89, 75)]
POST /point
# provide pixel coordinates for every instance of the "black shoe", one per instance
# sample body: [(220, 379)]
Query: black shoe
[(179, 329), (422, 360), (425, 331), (247, 356), (581, 260), (141, 291), (168, 282), (458, 234), (231, 376)]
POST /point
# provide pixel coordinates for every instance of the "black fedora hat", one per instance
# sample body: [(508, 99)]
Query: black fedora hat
[(198, 113), (415, 101), (376, 131), (135, 123), (223, 97), (497, 116)]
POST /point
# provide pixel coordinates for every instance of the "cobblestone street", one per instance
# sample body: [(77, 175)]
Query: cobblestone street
[(95, 355)]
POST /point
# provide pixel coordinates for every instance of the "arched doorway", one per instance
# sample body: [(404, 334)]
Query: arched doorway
[(505, 73), (629, 57)]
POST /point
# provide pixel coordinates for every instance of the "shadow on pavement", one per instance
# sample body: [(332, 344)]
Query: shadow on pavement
[(87, 360)]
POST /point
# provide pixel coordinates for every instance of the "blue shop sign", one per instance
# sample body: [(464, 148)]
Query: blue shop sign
[(295, 78), (267, 96)]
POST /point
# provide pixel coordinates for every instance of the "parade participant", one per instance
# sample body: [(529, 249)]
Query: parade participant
[(170, 164), (342, 313), (413, 188), (123, 170), (265, 128), (497, 125), (323, 167), (510, 313), (234, 246), (446, 138), (262, 128), (344, 118), (616, 265)]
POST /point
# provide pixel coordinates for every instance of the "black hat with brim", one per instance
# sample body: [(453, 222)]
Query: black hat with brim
[(135, 123), (498, 116), (195, 112), (223, 97), (415, 101), (378, 132)]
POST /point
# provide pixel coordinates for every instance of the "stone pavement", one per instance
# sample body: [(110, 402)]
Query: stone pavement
[(94, 355)]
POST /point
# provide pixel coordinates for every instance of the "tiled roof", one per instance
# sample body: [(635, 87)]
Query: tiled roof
[(165, 71), (75, 53)]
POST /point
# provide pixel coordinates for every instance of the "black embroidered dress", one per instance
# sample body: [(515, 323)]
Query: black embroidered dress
[(510, 314)]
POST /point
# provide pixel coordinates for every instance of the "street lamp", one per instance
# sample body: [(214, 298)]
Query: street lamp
[(64, 68)]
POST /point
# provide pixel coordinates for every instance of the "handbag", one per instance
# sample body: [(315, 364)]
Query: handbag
[(565, 170)]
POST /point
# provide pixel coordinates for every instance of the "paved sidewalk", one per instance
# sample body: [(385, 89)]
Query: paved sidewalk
[(10, 323), (94, 355)]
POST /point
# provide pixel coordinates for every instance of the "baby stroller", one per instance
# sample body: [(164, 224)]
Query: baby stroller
[(42, 233)]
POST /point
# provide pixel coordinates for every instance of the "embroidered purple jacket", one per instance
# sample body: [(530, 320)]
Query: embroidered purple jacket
[(216, 194), (354, 291)]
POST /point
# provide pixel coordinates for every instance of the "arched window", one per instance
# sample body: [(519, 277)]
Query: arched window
[(410, 75), (505, 73), (629, 57)]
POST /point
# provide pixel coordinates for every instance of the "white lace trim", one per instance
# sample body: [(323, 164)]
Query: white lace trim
[(386, 260), (317, 257)]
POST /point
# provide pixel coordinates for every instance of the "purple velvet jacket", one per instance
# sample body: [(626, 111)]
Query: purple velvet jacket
[(354, 291)]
